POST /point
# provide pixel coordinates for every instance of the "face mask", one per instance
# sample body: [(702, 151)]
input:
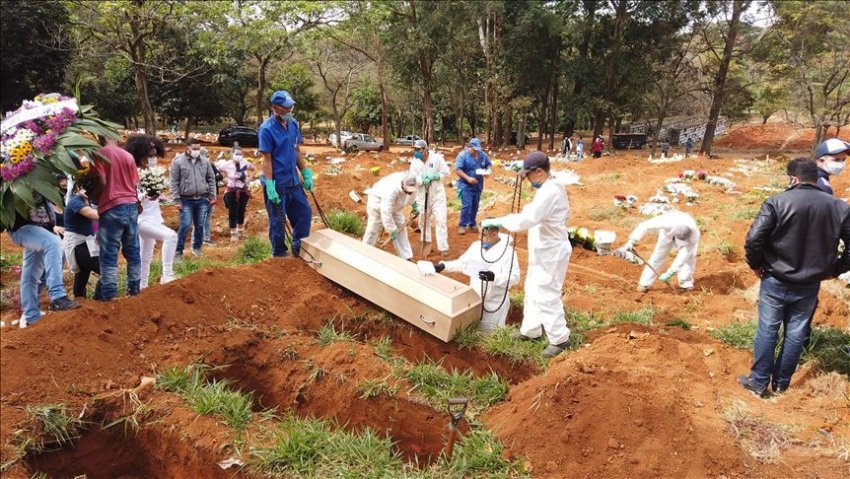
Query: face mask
[(237, 157), (486, 244), (418, 155), (536, 184), (834, 168), (195, 153), (285, 117), (151, 161), (64, 191)]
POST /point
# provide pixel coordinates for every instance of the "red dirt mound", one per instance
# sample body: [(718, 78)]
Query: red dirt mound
[(638, 402), (770, 136)]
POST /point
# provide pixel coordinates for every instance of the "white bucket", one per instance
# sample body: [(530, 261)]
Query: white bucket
[(604, 241)]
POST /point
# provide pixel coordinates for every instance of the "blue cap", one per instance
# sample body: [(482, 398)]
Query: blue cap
[(475, 144), (832, 146), (282, 98)]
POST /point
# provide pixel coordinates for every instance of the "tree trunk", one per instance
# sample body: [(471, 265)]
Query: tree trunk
[(189, 126), (554, 113), (140, 75), (598, 123), (261, 88), (385, 127), (520, 133), (509, 127), (738, 7)]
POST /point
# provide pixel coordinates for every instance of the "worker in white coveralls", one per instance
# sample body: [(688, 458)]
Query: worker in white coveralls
[(430, 168), (675, 229), (549, 252), (385, 210), (492, 267)]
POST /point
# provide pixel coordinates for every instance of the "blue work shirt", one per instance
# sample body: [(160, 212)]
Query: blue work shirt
[(280, 143), (468, 164), (74, 221)]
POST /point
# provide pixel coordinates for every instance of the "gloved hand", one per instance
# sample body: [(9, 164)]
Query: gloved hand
[(415, 208), (394, 235), (271, 191), (666, 276), (439, 267), (621, 253), (307, 173), (491, 223), (516, 166), (486, 275)]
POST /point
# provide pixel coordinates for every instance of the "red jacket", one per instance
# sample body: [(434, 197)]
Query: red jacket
[(597, 146)]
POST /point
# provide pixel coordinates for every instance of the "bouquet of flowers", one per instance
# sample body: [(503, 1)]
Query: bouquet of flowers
[(153, 181), (625, 202), (581, 237), (38, 140)]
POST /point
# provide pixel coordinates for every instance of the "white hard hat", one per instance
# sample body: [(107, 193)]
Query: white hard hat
[(420, 144)]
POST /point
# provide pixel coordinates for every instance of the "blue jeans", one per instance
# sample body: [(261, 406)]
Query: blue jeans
[(208, 224), (119, 227), (293, 206), (194, 212), (42, 258), (791, 305), (469, 199)]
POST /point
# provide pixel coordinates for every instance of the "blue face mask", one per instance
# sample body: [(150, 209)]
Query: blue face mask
[(418, 154), (486, 244), (536, 185), (286, 117)]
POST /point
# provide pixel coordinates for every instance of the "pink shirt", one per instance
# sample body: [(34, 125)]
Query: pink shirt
[(120, 179)]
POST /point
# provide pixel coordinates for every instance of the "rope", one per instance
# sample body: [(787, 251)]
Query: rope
[(319, 209), (287, 234)]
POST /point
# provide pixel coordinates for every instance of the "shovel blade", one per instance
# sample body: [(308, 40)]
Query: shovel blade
[(424, 248)]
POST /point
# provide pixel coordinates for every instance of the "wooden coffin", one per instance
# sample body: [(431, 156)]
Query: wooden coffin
[(436, 304)]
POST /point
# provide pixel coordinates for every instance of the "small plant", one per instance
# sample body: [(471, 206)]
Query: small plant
[(384, 348), (9, 260), (641, 316), (371, 388), (328, 334), (253, 251), (437, 386), (762, 440), (517, 299), (193, 265), (727, 249), (58, 427), (216, 398), (132, 421), (827, 349), (746, 213), (347, 222)]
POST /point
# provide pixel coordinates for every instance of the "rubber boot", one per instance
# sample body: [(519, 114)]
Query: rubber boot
[(234, 235), (240, 231)]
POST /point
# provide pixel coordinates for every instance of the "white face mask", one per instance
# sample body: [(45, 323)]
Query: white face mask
[(151, 161), (237, 157), (834, 168), (195, 153)]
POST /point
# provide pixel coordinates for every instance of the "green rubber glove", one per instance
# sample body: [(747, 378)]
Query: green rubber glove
[(666, 276), (307, 173), (271, 191), (491, 223), (394, 235), (426, 179), (415, 208)]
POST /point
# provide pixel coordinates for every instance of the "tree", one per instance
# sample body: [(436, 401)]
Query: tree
[(112, 92), (298, 80), (719, 87), (35, 46), (337, 67)]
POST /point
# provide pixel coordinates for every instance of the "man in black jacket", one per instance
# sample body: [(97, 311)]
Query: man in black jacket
[(792, 246)]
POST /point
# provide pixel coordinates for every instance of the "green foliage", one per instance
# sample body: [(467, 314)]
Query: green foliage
[(7, 260), (737, 335), (437, 386), (727, 249), (746, 213), (347, 222), (298, 80), (190, 265), (328, 334), (500, 343), (58, 427), (372, 388), (365, 111), (213, 398), (680, 323), (253, 250), (641, 316), (827, 349), (384, 348)]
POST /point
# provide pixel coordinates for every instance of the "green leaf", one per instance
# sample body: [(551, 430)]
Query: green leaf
[(7, 207), (74, 141), (49, 190), (65, 164), (23, 196)]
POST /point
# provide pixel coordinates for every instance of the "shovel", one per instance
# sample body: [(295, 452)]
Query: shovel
[(425, 246), (456, 408), (676, 291)]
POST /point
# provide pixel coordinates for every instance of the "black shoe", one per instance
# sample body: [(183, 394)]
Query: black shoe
[(64, 304), (751, 386), (779, 389)]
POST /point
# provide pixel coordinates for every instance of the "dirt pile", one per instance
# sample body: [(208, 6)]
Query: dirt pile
[(777, 137), (638, 402)]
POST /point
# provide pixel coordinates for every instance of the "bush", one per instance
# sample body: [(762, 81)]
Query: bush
[(253, 251)]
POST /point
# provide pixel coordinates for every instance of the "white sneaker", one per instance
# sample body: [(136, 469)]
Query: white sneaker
[(167, 279)]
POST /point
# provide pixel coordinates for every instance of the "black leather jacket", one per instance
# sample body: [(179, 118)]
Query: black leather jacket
[(795, 236)]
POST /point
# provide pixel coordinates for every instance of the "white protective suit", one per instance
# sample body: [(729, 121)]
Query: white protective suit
[(385, 211), (437, 211), (549, 253), (503, 263), (669, 226)]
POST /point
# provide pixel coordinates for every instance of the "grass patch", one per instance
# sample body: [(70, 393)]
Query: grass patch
[(190, 265), (727, 250), (7, 260), (384, 349), (604, 213), (678, 323), (455, 204), (58, 427), (762, 440), (347, 222), (253, 251), (641, 316), (437, 386), (517, 299), (500, 343), (371, 388), (746, 213), (328, 334), (737, 335), (210, 398)]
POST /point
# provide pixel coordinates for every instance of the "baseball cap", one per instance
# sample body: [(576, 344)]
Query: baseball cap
[(475, 143), (409, 180), (832, 146), (282, 98), (420, 144), (534, 160)]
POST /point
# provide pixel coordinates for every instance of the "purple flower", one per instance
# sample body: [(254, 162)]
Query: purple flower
[(32, 126), (45, 143)]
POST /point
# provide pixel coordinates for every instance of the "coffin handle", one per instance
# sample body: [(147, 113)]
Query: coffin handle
[(429, 322)]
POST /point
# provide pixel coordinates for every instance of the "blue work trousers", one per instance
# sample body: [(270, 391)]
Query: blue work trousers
[(293, 206)]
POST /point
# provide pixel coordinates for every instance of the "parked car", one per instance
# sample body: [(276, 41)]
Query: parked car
[(243, 135), (343, 134), (362, 142), (514, 138), (407, 140)]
